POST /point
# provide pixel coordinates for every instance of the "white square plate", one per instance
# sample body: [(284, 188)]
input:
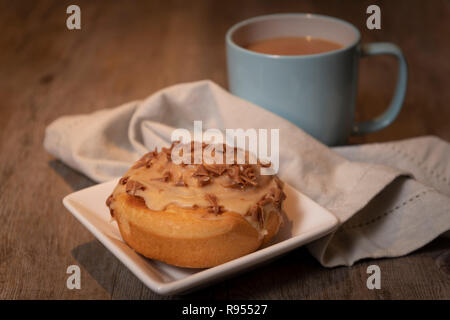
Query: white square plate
[(304, 221)]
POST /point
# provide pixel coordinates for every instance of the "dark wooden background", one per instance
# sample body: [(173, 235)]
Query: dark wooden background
[(127, 50)]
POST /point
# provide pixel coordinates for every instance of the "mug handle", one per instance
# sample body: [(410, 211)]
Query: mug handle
[(388, 116)]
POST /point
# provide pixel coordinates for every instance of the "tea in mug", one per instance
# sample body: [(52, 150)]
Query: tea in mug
[(293, 46)]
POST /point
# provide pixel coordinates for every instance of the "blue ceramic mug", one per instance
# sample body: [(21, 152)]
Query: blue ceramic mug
[(316, 92)]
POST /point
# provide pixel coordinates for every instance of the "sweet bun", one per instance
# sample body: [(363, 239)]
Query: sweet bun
[(195, 215)]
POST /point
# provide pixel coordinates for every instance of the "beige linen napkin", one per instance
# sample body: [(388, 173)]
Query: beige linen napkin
[(383, 211)]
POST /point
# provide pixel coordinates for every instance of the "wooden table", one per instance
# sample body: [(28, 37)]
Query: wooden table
[(127, 50)]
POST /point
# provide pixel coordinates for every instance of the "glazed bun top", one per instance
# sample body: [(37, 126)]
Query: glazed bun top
[(179, 175)]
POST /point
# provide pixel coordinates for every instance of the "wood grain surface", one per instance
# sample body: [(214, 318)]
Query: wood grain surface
[(128, 49)]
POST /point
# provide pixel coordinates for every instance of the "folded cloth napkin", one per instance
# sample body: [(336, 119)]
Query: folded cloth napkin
[(389, 198)]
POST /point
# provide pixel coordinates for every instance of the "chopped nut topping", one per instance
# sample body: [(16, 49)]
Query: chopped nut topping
[(249, 181), (216, 169), (149, 163), (138, 164), (203, 181), (168, 152), (109, 200), (266, 192), (233, 173), (202, 176), (257, 214), (241, 176), (165, 177), (108, 204), (200, 172), (265, 164), (145, 160), (133, 186), (276, 196), (214, 207)]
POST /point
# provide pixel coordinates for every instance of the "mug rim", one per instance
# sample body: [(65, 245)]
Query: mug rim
[(235, 27)]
